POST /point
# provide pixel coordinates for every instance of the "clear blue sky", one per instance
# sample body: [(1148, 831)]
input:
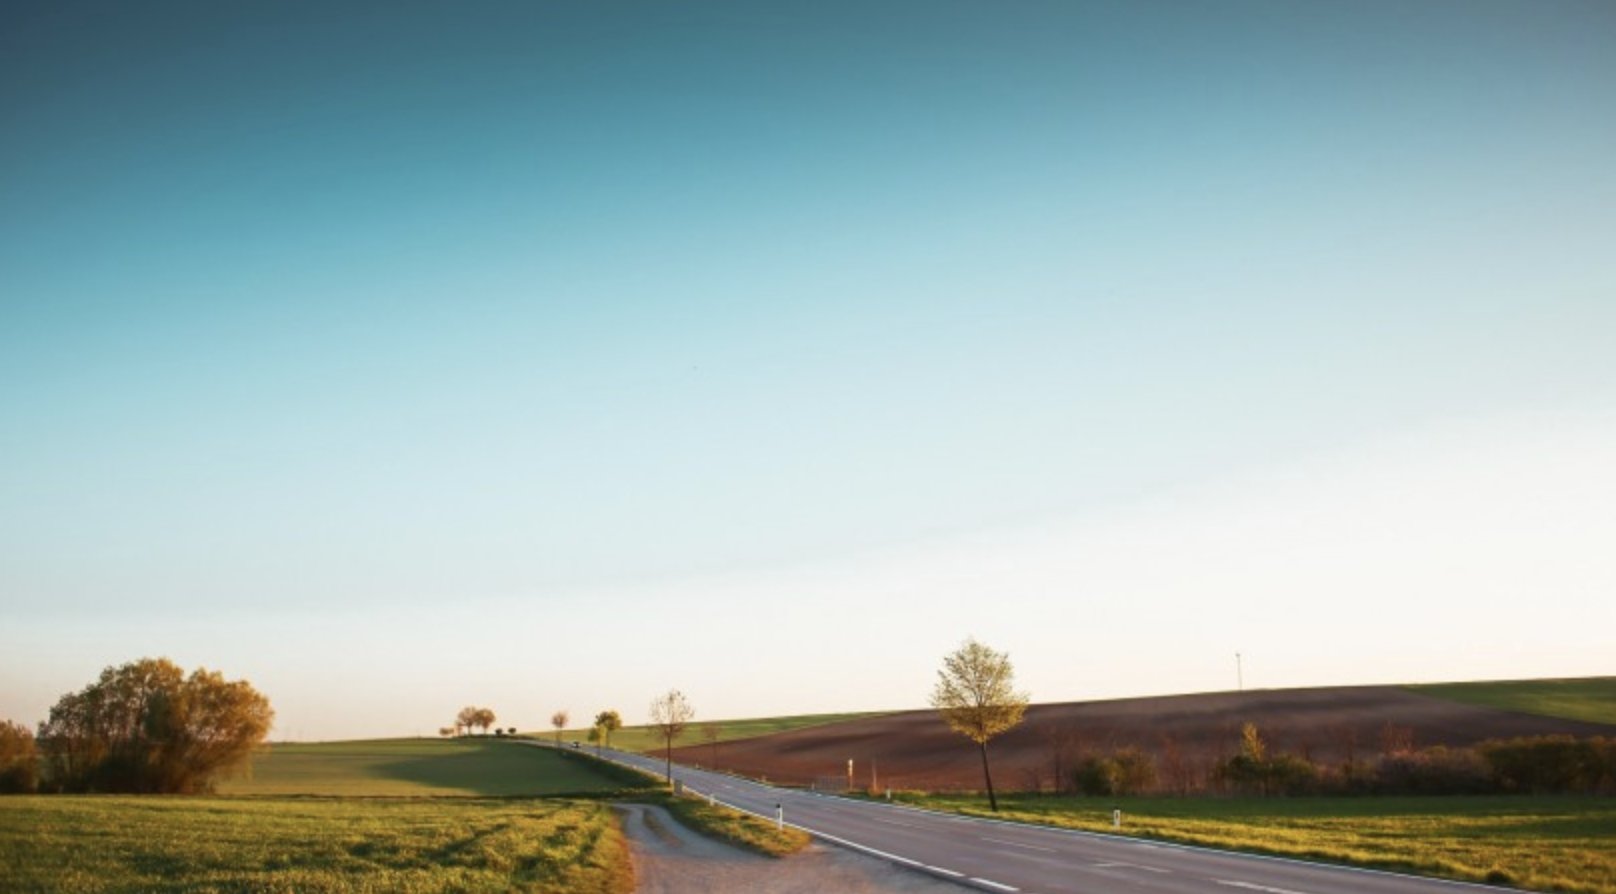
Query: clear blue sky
[(440, 347)]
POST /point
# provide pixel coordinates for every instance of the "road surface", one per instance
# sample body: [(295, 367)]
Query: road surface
[(1013, 857)]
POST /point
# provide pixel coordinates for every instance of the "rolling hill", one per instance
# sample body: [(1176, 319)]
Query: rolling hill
[(914, 749)]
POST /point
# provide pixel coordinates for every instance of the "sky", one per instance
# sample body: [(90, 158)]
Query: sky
[(399, 357)]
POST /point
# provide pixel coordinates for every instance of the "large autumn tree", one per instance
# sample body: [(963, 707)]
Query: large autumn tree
[(976, 694), (147, 727)]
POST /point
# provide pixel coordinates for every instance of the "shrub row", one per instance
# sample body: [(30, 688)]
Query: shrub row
[(1532, 765)]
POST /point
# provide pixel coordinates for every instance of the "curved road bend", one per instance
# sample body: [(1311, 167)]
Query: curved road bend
[(1013, 857)]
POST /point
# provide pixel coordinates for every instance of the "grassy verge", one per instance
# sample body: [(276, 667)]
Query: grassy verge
[(740, 829), (1592, 699), (713, 820), (102, 845), (420, 767), (1544, 844)]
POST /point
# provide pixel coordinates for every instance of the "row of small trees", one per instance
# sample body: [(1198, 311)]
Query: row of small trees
[(471, 717), (1535, 765), (1532, 764)]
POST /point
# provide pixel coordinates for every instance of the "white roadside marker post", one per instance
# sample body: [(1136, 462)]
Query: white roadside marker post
[(1116, 817), (780, 817)]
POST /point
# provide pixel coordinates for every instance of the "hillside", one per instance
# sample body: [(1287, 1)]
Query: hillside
[(913, 749)]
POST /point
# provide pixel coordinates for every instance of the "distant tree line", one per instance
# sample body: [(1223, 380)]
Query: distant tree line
[(142, 727)]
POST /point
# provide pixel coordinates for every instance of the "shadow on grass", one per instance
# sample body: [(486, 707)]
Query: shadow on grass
[(501, 769)]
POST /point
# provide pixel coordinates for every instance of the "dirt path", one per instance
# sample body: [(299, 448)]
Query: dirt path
[(671, 859)]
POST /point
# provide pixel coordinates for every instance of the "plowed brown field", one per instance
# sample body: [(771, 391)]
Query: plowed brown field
[(914, 749)]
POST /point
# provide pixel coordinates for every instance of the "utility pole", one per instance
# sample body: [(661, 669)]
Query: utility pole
[(1239, 673)]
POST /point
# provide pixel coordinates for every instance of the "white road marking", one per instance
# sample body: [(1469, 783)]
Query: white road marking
[(947, 872), (993, 884), (1251, 887), (893, 822), (1155, 869), (1030, 847)]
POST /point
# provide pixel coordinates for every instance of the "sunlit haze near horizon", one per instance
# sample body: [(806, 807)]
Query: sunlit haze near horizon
[(403, 357)]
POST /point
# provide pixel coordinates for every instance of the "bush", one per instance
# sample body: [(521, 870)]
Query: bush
[(1126, 771), (1551, 764), (1433, 771), (1255, 770), (19, 761)]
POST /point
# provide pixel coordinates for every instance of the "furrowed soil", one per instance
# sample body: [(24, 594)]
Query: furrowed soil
[(915, 750)]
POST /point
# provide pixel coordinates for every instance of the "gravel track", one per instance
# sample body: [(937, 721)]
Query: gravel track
[(671, 859)]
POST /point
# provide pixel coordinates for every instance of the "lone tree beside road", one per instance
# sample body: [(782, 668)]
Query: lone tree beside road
[(977, 697), (609, 722), (670, 714), (559, 721)]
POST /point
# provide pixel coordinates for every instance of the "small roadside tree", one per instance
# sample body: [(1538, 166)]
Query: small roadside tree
[(610, 722), (559, 721), (670, 714), (466, 719), (594, 737), (712, 732), (977, 698), (485, 719)]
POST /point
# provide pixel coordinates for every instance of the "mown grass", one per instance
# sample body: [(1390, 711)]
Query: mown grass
[(418, 767), (1544, 844), (101, 845), (1592, 699), (644, 738)]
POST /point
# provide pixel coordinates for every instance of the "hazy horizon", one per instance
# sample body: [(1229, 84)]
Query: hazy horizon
[(550, 356)]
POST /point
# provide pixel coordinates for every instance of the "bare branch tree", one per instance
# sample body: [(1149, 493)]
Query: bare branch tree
[(976, 695), (670, 714), (559, 721), (712, 732)]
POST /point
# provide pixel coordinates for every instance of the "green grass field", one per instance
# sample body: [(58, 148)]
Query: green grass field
[(101, 845), (414, 767), (1592, 698), (644, 738), (1543, 844)]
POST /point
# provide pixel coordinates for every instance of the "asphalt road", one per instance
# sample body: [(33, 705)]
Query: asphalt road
[(1010, 857)]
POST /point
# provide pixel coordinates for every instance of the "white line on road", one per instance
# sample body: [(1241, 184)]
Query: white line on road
[(948, 872), (1155, 869), (993, 884), (893, 822), (1251, 887), (1030, 847)]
